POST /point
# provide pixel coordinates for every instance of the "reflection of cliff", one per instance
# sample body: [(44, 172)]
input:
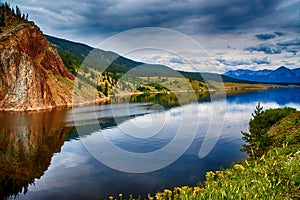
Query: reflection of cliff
[(27, 143)]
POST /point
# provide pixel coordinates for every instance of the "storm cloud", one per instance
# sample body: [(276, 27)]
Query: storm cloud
[(266, 48), (191, 16), (233, 62), (265, 36), (294, 42), (261, 61), (215, 24)]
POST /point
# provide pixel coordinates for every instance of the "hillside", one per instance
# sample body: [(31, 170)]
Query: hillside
[(32, 74), (73, 55), (281, 75)]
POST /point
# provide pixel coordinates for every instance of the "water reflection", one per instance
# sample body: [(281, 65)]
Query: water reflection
[(27, 144)]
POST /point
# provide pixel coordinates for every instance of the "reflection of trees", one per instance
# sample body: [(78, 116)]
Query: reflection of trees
[(164, 99), (27, 143)]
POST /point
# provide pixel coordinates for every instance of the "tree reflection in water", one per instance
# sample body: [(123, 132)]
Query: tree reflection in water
[(27, 144)]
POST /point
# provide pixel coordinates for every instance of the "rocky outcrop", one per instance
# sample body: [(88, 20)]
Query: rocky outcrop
[(32, 75)]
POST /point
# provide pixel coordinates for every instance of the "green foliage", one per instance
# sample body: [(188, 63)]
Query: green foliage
[(70, 61), (258, 141), (143, 89), (158, 87), (2, 19), (77, 50), (105, 92)]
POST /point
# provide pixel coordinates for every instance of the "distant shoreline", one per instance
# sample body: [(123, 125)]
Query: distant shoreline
[(228, 90)]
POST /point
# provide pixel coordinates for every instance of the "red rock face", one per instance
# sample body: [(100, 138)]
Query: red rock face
[(29, 71)]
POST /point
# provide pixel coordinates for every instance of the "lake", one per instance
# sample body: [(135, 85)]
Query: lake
[(137, 145)]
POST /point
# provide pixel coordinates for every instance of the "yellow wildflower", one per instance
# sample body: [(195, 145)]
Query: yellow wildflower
[(220, 174), (210, 175), (239, 167), (229, 173)]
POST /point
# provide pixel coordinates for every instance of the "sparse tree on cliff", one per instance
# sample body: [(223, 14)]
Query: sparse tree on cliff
[(7, 6), (2, 20), (18, 11), (105, 92)]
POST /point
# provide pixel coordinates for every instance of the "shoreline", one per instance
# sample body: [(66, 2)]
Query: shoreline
[(68, 106)]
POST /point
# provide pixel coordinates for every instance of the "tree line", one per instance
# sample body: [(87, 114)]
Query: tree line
[(8, 12)]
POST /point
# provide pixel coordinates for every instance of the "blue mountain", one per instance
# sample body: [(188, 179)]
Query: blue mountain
[(279, 75)]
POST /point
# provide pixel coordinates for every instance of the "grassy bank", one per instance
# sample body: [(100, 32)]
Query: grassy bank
[(273, 176)]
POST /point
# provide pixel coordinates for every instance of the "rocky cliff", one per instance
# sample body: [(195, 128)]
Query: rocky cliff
[(32, 74)]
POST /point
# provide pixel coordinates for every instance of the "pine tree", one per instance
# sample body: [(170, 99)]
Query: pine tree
[(105, 92), (254, 138), (18, 11), (2, 20), (7, 6), (257, 140)]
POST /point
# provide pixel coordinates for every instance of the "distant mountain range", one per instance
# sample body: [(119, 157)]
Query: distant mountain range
[(281, 75)]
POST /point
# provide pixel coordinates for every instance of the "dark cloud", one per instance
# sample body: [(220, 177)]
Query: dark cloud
[(266, 48), (291, 46), (261, 61), (233, 62), (254, 61), (232, 22), (293, 51), (190, 16), (265, 36), (293, 42), (278, 33)]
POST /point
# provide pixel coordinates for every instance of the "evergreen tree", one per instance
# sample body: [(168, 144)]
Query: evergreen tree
[(105, 92), (99, 88), (2, 19), (18, 11), (257, 140), (7, 6)]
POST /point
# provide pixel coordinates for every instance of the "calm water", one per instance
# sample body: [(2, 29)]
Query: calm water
[(55, 155)]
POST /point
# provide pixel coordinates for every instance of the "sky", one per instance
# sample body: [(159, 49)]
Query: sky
[(236, 34)]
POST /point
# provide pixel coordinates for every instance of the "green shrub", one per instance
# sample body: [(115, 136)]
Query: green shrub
[(258, 141)]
